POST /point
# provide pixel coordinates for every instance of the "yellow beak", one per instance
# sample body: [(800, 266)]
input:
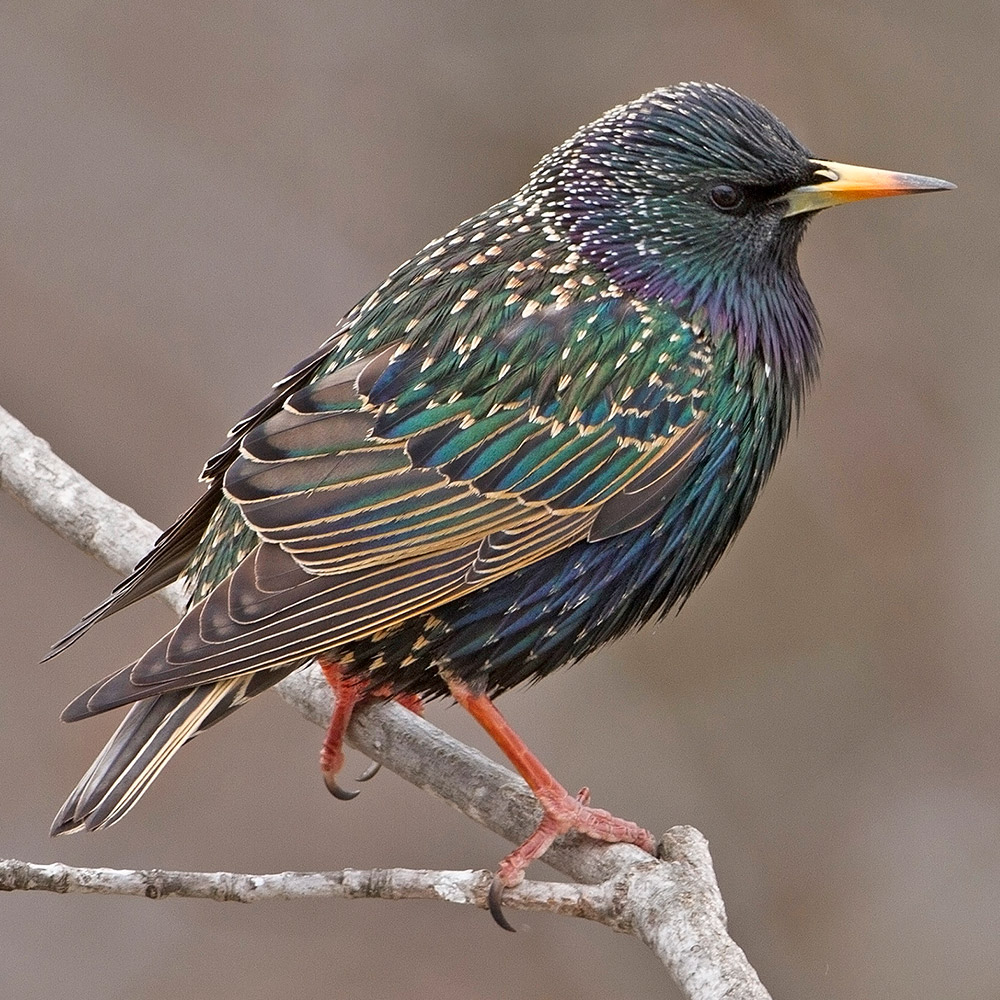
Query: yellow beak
[(836, 183)]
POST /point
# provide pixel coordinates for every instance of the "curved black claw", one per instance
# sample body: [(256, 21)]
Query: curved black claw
[(494, 900), (344, 794), (370, 771)]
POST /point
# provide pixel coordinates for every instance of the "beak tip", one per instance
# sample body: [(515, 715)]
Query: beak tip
[(919, 184)]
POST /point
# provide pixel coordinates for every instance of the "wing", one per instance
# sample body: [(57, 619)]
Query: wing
[(430, 467)]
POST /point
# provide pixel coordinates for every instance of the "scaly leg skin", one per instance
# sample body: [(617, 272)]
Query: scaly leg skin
[(561, 811), (349, 692)]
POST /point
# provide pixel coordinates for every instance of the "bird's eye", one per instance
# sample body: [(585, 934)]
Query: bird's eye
[(726, 197)]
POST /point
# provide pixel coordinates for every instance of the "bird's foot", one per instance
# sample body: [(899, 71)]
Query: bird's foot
[(348, 693), (561, 812)]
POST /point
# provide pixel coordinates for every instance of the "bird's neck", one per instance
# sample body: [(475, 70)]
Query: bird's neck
[(762, 306), (766, 356), (772, 324)]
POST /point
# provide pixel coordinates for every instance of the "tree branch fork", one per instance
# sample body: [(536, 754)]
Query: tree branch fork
[(671, 903), (607, 903)]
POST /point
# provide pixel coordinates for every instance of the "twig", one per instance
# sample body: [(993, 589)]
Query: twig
[(673, 905), (468, 887)]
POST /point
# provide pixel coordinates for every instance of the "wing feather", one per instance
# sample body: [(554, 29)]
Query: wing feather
[(414, 475)]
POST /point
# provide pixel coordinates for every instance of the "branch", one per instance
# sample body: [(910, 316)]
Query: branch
[(673, 905), (468, 887)]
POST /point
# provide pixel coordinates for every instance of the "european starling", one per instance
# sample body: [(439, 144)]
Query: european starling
[(536, 435)]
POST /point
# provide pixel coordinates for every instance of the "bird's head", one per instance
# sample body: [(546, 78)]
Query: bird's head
[(700, 196)]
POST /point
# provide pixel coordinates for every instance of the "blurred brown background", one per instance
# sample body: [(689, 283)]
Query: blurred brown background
[(192, 194)]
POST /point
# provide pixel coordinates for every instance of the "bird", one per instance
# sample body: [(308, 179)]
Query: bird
[(539, 433)]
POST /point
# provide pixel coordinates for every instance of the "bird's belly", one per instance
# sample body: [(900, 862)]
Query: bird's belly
[(527, 624)]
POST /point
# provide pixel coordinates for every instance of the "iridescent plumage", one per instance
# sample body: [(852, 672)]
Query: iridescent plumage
[(537, 434)]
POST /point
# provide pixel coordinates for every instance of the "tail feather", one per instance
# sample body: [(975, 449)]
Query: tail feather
[(152, 732)]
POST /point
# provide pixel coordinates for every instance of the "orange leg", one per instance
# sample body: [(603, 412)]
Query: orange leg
[(560, 810), (348, 694)]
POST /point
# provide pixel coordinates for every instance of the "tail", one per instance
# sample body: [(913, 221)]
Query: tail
[(152, 732)]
